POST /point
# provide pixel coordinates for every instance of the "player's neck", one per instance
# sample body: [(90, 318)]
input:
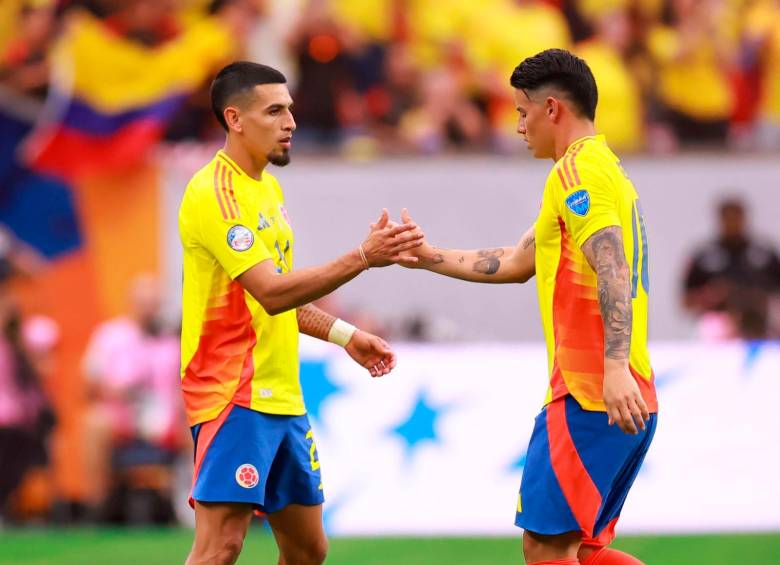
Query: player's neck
[(243, 158), (577, 130)]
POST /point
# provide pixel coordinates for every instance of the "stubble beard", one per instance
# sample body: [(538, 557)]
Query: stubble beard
[(280, 159)]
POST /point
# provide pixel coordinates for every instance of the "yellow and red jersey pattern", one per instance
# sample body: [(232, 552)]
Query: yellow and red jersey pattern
[(232, 351), (586, 191)]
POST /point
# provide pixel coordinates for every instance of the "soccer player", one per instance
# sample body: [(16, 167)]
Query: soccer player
[(243, 307), (588, 250)]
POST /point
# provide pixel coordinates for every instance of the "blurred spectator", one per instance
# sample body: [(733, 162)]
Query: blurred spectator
[(319, 45), (695, 54), (443, 117), (619, 114), (730, 280), (134, 419), (24, 63), (149, 22), (762, 37), (26, 417)]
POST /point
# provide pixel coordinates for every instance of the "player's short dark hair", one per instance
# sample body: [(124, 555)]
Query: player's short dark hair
[(561, 70), (236, 78)]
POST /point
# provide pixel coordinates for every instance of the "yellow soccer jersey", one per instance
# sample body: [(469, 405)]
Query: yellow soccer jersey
[(588, 190), (232, 350)]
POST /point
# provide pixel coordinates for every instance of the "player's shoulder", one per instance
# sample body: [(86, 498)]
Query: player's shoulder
[(273, 182), (202, 183)]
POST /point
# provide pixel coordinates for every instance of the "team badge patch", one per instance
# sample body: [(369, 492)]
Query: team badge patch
[(240, 238), (579, 202), (247, 475)]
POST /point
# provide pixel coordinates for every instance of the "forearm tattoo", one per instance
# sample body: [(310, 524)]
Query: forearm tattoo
[(604, 251), (489, 261), (314, 322), (433, 259)]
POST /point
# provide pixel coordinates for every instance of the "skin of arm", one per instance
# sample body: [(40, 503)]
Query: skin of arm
[(369, 351), (497, 265), (314, 322), (623, 400)]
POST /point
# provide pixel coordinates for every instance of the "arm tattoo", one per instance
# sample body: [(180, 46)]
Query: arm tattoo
[(434, 259), (604, 251), (489, 262), (529, 242), (314, 322)]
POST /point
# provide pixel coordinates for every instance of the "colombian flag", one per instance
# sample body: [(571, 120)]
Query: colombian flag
[(112, 97)]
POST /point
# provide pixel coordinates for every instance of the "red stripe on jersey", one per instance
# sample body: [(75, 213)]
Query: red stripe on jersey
[(223, 186), (578, 330), (232, 166), (232, 194), (563, 180), (216, 191), (206, 434), (219, 366), (573, 164), (566, 170), (578, 488)]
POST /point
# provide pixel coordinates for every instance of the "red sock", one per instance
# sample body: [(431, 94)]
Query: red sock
[(609, 556), (567, 561)]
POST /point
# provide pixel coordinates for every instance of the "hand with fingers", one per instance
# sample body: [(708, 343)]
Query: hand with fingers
[(624, 402), (371, 352), (387, 241), (413, 258)]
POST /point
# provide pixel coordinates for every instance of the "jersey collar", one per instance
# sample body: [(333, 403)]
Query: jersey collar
[(598, 137)]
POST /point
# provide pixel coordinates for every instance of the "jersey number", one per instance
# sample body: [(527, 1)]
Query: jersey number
[(638, 228)]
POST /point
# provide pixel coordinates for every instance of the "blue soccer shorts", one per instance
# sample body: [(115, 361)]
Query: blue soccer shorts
[(578, 472), (265, 460)]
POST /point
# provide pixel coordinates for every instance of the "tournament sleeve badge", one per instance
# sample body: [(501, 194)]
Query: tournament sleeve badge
[(240, 238), (579, 202)]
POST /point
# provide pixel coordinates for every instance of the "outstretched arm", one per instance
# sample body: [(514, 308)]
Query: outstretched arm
[(368, 350), (624, 402), (495, 265), (278, 293)]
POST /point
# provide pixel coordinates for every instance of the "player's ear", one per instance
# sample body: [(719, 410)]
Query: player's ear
[(552, 108), (233, 118)]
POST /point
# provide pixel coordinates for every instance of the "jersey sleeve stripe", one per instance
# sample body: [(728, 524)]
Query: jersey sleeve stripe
[(223, 186), (566, 171), (574, 165), (216, 192), (563, 180), (233, 194), (232, 166)]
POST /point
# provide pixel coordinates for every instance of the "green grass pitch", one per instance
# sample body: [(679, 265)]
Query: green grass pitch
[(163, 546)]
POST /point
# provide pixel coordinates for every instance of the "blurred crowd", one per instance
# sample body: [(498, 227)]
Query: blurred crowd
[(418, 76)]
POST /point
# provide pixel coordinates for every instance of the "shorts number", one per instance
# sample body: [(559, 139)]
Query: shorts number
[(315, 464), (638, 229)]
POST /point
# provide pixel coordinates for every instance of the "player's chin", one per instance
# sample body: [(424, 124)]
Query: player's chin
[(279, 158)]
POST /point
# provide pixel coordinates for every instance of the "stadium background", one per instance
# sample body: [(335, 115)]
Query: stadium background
[(399, 103)]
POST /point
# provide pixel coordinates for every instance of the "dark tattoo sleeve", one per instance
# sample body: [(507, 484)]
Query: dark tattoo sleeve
[(314, 322), (489, 262), (604, 251)]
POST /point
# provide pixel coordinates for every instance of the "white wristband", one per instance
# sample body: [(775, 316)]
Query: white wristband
[(341, 332)]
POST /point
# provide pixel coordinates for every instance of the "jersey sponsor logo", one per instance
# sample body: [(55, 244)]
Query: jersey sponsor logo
[(247, 475), (579, 202), (240, 238), (262, 223)]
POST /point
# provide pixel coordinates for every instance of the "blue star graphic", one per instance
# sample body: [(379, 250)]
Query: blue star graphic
[(317, 387), (420, 425), (754, 349), (519, 463)]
